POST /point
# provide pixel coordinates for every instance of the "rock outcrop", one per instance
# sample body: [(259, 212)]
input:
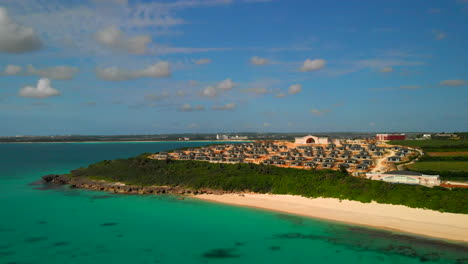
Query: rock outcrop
[(85, 183)]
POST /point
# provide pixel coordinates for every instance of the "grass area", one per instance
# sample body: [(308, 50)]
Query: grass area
[(440, 166), (435, 145), (448, 154)]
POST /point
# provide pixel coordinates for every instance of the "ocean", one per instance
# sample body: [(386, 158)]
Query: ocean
[(44, 224)]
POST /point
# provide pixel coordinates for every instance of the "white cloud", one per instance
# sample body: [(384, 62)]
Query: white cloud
[(56, 73), (313, 65), (15, 38), (203, 61), (209, 91), (227, 84), (42, 90), (114, 38), (229, 106), (371, 124), (318, 112), (12, 70), (266, 124), (453, 83), (181, 93), (295, 89), (193, 83), (386, 69), (191, 108), (212, 91), (120, 2), (258, 60), (438, 35), (410, 87), (280, 95), (158, 70)]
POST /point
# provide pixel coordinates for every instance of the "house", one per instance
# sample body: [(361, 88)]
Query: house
[(296, 163), (310, 164), (393, 159), (362, 167), (352, 161), (318, 159), (327, 165), (368, 162), (329, 160), (268, 162), (344, 165), (378, 154)]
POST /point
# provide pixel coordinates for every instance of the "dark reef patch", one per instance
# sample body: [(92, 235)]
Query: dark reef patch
[(7, 253), (239, 244), (296, 220), (274, 248), (61, 243), (109, 224), (97, 197), (221, 253), (35, 239)]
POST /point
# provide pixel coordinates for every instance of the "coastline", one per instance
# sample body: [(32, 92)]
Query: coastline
[(131, 141), (420, 222)]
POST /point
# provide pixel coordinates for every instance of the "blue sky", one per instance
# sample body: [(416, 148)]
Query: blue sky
[(146, 67)]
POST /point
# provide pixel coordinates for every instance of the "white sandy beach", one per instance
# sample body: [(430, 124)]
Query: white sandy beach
[(393, 217)]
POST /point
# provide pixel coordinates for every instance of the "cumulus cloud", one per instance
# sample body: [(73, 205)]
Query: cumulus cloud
[(386, 69), (212, 91), (12, 70), (227, 84), (114, 38), (258, 60), (280, 95), (318, 112), (266, 124), (191, 108), (453, 83), (15, 38), (209, 91), (313, 65), (55, 73), (203, 61), (181, 93), (229, 106), (438, 35), (295, 89), (158, 70), (42, 90)]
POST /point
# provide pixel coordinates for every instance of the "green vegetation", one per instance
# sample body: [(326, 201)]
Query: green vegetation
[(270, 179), (451, 164), (434, 145), (440, 165)]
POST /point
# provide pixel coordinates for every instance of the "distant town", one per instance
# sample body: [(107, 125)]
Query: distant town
[(214, 136)]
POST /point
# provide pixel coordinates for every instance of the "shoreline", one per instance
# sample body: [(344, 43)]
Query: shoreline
[(398, 218), (135, 141), (421, 222)]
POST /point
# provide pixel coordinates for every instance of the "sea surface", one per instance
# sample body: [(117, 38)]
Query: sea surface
[(40, 224)]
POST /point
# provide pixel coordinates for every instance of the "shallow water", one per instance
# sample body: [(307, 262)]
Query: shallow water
[(39, 224)]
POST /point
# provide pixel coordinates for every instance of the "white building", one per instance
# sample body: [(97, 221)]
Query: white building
[(406, 177), (309, 139)]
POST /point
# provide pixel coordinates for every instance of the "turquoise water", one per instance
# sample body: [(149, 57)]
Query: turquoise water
[(43, 225)]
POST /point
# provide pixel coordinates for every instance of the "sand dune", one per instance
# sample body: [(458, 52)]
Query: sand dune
[(393, 217)]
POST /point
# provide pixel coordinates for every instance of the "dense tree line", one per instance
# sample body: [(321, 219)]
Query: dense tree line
[(270, 179)]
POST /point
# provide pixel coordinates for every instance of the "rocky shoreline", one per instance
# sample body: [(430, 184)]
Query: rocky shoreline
[(86, 183)]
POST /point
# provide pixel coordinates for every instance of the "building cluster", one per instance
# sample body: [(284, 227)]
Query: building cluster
[(353, 157), (227, 137)]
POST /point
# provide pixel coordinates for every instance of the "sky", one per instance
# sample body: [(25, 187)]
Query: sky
[(95, 67)]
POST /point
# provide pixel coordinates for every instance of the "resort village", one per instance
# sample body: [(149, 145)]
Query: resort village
[(373, 159)]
